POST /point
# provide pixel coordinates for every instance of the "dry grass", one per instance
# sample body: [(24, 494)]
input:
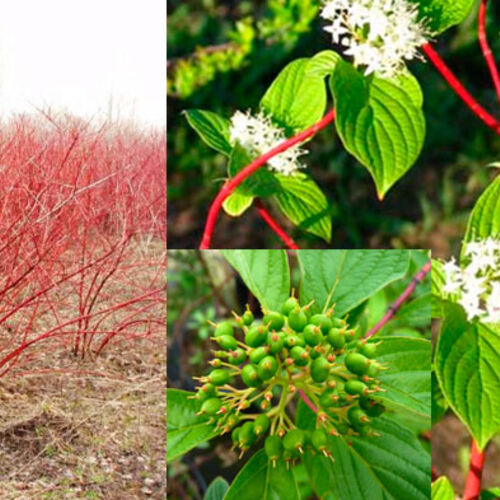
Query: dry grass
[(79, 435)]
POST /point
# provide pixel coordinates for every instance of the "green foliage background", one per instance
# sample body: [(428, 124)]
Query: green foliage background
[(235, 49)]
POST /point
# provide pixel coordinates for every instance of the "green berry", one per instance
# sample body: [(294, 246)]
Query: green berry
[(224, 328), (237, 357), (357, 416), (297, 319), (320, 441), (275, 341), (328, 398), (247, 317), (218, 377), (292, 340), (289, 305), (257, 354), (373, 370), (273, 447), (261, 424), (338, 323), (368, 350), (273, 320), (312, 335), (336, 338), (250, 376), (267, 367), (294, 440), (235, 436), (355, 387), (247, 435), (371, 407), (320, 368), (209, 389), (323, 321), (211, 406), (227, 342), (357, 363), (299, 355), (256, 336)]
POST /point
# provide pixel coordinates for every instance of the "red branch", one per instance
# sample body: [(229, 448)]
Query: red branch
[(485, 48), (287, 240), (460, 90), (233, 183), (473, 482), (404, 296)]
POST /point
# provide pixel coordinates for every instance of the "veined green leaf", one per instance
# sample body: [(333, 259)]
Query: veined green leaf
[(258, 479), (467, 360), (443, 14), (442, 489), (439, 403), (322, 64), (303, 202), (265, 272), (346, 278), (379, 121), (212, 128), (217, 489), (184, 429), (237, 203)]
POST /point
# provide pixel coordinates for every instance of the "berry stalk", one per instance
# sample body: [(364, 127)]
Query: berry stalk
[(473, 482), (459, 89), (246, 172)]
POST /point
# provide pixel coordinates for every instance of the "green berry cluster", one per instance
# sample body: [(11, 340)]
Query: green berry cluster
[(288, 352)]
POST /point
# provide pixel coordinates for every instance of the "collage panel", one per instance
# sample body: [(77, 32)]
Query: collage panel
[(299, 374), (82, 250)]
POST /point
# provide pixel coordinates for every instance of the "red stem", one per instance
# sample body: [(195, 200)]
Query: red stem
[(287, 240), (233, 183), (485, 48), (473, 482), (399, 302), (460, 90)]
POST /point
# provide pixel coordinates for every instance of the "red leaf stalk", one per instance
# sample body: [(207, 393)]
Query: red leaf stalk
[(473, 482), (287, 240), (460, 90), (401, 299), (485, 48), (243, 174)]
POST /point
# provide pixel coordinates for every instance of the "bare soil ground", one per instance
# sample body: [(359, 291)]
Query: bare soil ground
[(92, 429)]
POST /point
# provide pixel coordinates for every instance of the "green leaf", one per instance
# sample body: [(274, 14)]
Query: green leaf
[(490, 494), (347, 277), (484, 220), (439, 403), (260, 480), (390, 467), (408, 379), (303, 202), (439, 15), (237, 203), (184, 429), (467, 360), (265, 272), (212, 128), (416, 313), (322, 64), (442, 489), (261, 183), (379, 121), (295, 100), (437, 283), (217, 489)]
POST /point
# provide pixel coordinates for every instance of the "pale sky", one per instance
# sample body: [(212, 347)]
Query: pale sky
[(80, 55)]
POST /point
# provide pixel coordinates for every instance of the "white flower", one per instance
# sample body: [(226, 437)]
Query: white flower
[(380, 34), (476, 286), (258, 134)]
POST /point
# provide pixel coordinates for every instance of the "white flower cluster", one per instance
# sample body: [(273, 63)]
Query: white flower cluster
[(379, 34), (476, 287), (258, 134)]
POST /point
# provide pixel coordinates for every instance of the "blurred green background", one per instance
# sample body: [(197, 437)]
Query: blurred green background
[(223, 55)]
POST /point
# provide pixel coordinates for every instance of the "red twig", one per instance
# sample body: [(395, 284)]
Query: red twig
[(460, 90), (473, 482), (485, 48), (287, 240), (233, 183), (307, 401), (404, 296)]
